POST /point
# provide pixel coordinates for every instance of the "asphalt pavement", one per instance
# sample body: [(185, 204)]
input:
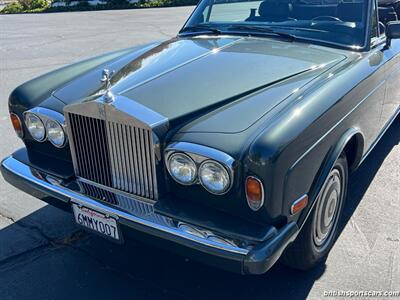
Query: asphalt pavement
[(43, 255)]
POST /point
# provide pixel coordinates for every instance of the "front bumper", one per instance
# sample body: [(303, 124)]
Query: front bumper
[(141, 220)]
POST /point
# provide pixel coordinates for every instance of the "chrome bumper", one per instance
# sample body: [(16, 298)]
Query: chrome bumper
[(183, 233)]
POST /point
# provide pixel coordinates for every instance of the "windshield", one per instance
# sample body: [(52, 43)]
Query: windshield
[(339, 22)]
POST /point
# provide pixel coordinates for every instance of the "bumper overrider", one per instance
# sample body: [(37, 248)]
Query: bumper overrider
[(140, 220)]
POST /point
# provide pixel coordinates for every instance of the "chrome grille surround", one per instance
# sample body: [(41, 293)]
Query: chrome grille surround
[(112, 147)]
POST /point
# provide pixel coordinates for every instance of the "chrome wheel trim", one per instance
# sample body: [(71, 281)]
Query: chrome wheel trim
[(328, 206)]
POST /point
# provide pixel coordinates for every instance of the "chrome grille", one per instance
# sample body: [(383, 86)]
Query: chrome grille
[(91, 149), (116, 155), (101, 194), (131, 159), (139, 208)]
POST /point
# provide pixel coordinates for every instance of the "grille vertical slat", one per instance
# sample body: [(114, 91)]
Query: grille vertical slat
[(134, 159), (96, 160), (143, 159), (104, 149), (79, 148), (148, 161), (82, 148), (116, 155), (113, 149), (130, 160), (93, 170), (123, 156), (139, 160)]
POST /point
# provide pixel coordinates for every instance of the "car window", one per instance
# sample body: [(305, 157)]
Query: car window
[(223, 11), (342, 22)]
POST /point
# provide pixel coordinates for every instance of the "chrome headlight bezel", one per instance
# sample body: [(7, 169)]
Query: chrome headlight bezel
[(49, 122), (27, 119), (46, 115), (201, 154), (225, 174), (189, 160)]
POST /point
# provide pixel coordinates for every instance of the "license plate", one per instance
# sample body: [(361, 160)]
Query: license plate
[(97, 222)]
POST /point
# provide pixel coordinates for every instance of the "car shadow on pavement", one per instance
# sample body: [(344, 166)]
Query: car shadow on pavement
[(361, 179), (71, 264)]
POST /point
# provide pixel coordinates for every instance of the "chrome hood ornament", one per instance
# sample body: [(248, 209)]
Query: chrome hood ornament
[(108, 96)]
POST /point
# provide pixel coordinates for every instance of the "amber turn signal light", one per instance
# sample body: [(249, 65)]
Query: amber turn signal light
[(254, 193), (17, 124), (299, 205)]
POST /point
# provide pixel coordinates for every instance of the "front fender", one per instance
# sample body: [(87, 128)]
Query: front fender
[(327, 164)]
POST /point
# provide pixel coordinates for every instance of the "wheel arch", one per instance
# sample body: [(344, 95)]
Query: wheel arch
[(354, 149), (352, 143)]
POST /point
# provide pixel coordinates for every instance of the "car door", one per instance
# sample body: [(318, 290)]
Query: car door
[(391, 59), (375, 84), (392, 68)]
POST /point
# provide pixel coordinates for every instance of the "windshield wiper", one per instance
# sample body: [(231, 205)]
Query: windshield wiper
[(200, 29), (261, 29)]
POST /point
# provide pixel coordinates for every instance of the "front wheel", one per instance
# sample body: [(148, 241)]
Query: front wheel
[(320, 231)]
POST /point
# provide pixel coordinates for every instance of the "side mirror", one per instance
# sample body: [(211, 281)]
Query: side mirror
[(392, 32)]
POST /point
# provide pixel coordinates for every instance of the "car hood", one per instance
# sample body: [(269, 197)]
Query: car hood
[(189, 78)]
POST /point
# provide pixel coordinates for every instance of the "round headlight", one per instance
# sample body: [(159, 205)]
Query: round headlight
[(214, 177), (55, 133), (35, 127), (182, 168)]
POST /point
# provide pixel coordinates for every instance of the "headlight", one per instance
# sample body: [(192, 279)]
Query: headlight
[(55, 133), (214, 177), (35, 127), (182, 168)]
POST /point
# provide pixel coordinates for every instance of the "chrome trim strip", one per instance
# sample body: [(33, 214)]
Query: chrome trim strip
[(201, 153), (48, 114), (179, 66), (23, 171)]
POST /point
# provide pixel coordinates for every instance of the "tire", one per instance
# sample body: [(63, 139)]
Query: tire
[(320, 231)]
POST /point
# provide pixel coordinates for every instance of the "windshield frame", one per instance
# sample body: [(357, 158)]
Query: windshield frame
[(366, 46)]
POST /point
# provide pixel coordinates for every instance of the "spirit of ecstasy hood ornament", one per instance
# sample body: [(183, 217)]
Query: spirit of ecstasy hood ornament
[(108, 96)]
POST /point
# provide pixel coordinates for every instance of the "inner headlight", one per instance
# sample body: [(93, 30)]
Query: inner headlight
[(55, 133), (35, 127), (214, 177), (182, 168)]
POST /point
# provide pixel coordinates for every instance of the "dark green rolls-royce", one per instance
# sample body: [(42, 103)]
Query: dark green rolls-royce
[(230, 143)]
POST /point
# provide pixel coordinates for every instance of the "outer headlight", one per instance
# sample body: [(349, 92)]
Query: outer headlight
[(35, 127), (55, 133), (182, 168), (214, 177)]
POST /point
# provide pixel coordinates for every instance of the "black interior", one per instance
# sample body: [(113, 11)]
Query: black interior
[(387, 14), (275, 11), (282, 10)]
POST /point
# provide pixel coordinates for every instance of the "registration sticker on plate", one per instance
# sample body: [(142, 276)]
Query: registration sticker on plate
[(96, 221)]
